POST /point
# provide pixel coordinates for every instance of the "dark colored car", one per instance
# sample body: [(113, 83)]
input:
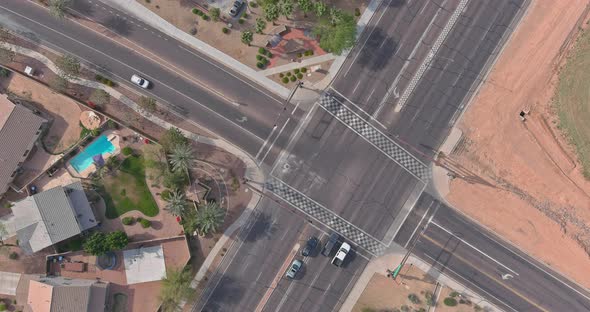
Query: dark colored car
[(330, 244), (310, 246), (235, 9)]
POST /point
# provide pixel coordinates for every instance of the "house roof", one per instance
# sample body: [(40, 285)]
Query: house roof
[(61, 294), (19, 127), (52, 216), (144, 264)]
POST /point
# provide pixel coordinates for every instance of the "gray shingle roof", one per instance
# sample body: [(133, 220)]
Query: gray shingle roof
[(52, 216), (75, 295), (16, 136)]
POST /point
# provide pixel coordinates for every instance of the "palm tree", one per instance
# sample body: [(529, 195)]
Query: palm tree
[(181, 157), (176, 203), (175, 289), (209, 218), (57, 8)]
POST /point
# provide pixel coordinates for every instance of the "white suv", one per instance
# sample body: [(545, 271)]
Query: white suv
[(144, 83), (341, 254)]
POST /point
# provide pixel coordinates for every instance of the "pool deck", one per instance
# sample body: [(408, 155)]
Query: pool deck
[(114, 137)]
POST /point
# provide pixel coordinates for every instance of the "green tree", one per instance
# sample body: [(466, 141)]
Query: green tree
[(215, 14), (181, 157), (320, 8), (172, 137), (117, 240), (96, 244), (175, 180), (335, 16), (175, 289), (57, 8), (176, 203), (260, 25), (69, 65), (271, 12), (247, 37), (147, 103), (99, 97), (58, 83), (7, 55), (306, 6), (209, 218), (339, 37), (286, 8)]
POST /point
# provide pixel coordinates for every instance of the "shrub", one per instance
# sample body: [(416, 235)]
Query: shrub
[(269, 54), (145, 223), (296, 71), (260, 65), (225, 30), (127, 151), (299, 76), (205, 17), (281, 75), (262, 51), (285, 80), (304, 70), (293, 78), (165, 195), (414, 299), (245, 15), (4, 72), (288, 74), (128, 220), (241, 21), (13, 256), (357, 12), (98, 77), (299, 55), (454, 294), (264, 61), (193, 31), (123, 192), (259, 57), (215, 13), (405, 308), (196, 11), (2, 306), (253, 4), (110, 83), (449, 301)]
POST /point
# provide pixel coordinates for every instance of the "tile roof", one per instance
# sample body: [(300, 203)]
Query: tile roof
[(19, 130), (61, 294)]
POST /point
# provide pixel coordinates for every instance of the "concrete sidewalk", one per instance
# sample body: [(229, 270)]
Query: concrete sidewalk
[(293, 65), (252, 173), (390, 261), (142, 13)]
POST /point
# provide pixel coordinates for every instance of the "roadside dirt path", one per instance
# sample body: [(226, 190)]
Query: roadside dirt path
[(534, 193)]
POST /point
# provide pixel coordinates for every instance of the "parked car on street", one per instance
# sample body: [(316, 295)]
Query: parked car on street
[(341, 254), (140, 81), (236, 7), (310, 246), (294, 268), (330, 244)]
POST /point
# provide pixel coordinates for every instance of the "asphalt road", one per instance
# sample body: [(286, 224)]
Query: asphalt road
[(484, 263), (323, 157), (212, 96)]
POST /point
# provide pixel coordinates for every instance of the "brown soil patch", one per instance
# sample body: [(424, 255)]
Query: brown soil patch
[(537, 197), (384, 294), (65, 113)]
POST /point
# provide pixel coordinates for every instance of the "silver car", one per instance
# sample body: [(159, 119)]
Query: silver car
[(140, 81), (294, 268)]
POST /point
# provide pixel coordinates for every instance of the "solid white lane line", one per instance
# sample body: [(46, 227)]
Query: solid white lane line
[(356, 87), (475, 248), (265, 142), (274, 141), (473, 284), (294, 109)]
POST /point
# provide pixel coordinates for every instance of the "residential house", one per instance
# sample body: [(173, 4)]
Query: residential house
[(62, 294), (52, 216), (19, 130)]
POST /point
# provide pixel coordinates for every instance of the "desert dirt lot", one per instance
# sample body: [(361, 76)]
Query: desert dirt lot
[(534, 194)]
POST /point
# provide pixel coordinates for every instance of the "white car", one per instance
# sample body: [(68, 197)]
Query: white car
[(341, 254), (144, 83)]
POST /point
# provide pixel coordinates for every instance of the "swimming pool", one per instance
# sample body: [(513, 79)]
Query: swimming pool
[(83, 160)]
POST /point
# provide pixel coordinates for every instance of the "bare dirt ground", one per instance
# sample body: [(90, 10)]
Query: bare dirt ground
[(532, 190), (384, 294)]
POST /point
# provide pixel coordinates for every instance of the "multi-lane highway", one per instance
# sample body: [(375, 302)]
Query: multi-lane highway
[(356, 162)]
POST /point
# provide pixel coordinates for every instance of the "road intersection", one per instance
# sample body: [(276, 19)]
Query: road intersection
[(356, 161)]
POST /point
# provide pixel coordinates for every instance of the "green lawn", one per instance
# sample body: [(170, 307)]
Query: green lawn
[(127, 190), (572, 100)]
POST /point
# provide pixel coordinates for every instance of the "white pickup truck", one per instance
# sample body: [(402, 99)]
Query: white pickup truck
[(341, 254)]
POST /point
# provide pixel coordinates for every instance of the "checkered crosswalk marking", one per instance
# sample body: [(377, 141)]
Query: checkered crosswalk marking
[(376, 138), (325, 216)]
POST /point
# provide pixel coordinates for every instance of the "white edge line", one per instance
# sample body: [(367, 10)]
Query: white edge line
[(418, 225), (274, 141), (475, 248)]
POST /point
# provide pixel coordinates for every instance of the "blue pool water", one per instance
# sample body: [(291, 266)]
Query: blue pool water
[(101, 145)]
